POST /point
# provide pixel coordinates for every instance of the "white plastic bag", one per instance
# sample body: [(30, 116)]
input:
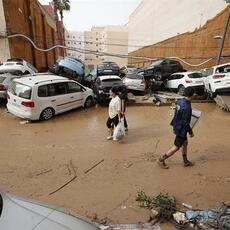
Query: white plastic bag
[(119, 130)]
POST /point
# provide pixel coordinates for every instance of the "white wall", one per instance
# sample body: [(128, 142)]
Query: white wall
[(156, 20), (4, 45)]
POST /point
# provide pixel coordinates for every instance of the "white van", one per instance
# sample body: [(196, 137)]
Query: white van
[(41, 96)]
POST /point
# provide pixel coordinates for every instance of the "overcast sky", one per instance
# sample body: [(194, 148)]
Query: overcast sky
[(86, 13)]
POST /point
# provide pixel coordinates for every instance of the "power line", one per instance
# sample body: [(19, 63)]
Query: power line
[(102, 53)]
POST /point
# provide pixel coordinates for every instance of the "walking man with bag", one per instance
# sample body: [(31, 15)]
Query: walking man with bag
[(181, 127)]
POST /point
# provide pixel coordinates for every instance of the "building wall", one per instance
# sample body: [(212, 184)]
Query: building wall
[(4, 45), (110, 39), (75, 39), (194, 47), (29, 18), (155, 21)]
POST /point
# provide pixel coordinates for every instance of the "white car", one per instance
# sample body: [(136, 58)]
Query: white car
[(17, 213), (42, 96), (217, 79), (17, 67), (180, 81), (135, 82)]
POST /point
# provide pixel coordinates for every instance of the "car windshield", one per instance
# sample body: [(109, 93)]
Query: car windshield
[(157, 62), (20, 90), (195, 75), (207, 72), (12, 71)]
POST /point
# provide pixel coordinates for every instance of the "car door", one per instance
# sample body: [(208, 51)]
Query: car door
[(76, 94), (172, 81), (59, 97)]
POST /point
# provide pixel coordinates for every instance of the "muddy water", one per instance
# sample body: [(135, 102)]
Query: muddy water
[(38, 158)]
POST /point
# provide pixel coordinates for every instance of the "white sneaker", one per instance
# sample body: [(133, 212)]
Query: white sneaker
[(109, 138), (115, 139)]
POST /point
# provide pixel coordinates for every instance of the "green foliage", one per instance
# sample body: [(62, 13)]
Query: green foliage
[(163, 203)]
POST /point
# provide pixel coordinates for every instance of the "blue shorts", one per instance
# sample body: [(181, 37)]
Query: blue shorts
[(179, 141)]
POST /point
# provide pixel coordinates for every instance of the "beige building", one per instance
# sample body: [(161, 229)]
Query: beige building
[(158, 20), (109, 39), (75, 40)]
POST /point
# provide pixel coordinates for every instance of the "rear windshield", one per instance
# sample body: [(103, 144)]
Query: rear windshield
[(2, 79), (195, 75), (12, 71), (109, 82), (136, 76), (20, 90), (223, 69)]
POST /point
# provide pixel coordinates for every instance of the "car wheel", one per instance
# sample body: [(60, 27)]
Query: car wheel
[(158, 76), (88, 102), (47, 114), (181, 90)]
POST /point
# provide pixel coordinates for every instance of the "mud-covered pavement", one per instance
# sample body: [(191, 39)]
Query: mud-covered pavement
[(38, 158)]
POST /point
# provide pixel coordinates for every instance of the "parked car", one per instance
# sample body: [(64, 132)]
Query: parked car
[(134, 82), (24, 214), (108, 68), (44, 95), (127, 69), (217, 80), (103, 84), (17, 67), (69, 67), (162, 69), (180, 81), (5, 81)]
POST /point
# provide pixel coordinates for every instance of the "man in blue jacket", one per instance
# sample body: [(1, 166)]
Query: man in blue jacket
[(181, 126)]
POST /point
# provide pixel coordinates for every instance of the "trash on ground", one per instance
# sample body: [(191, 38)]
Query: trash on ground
[(24, 122), (146, 226)]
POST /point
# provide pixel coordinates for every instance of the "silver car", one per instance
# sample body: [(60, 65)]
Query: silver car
[(22, 214), (135, 82)]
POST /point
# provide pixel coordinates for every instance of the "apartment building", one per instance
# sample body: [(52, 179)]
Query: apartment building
[(107, 39), (75, 40)]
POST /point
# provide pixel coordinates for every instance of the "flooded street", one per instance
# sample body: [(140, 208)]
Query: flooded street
[(38, 158)]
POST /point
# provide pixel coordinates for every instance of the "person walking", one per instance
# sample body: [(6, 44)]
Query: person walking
[(114, 112), (181, 127), (124, 98)]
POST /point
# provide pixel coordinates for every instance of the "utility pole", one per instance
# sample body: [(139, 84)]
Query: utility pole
[(223, 37)]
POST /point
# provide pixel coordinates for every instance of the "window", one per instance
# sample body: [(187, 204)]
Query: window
[(74, 87), (195, 75), (43, 91), (20, 90), (57, 89)]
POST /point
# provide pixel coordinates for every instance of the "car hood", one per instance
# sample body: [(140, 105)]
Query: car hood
[(23, 214)]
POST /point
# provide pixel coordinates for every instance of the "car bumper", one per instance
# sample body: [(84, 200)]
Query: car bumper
[(223, 90), (137, 88), (22, 114), (198, 88), (103, 97)]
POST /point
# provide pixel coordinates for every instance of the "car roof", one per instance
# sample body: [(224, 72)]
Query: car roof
[(109, 77), (34, 79), (11, 67), (185, 73), (217, 66)]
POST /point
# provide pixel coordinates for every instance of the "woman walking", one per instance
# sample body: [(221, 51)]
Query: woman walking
[(114, 112)]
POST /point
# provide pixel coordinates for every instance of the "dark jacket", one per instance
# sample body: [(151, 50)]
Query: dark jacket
[(182, 118)]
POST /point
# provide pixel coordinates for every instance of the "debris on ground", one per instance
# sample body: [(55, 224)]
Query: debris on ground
[(131, 227), (223, 102), (24, 122), (163, 206)]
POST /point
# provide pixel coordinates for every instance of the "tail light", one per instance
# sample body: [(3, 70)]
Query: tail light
[(188, 81), (29, 104), (218, 76), (2, 87)]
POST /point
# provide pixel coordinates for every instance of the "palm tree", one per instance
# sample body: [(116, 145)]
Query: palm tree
[(59, 7)]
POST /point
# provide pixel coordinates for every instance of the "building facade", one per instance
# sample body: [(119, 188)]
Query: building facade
[(75, 40), (107, 39), (31, 19), (158, 20)]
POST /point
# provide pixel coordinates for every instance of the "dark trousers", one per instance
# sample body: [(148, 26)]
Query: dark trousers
[(125, 122), (112, 122)]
